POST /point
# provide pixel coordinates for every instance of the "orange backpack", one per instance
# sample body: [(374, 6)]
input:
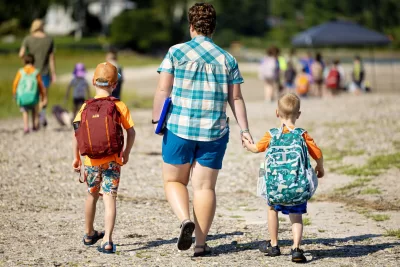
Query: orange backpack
[(302, 84)]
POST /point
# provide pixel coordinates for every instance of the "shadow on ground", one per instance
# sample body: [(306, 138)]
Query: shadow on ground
[(161, 242), (339, 251)]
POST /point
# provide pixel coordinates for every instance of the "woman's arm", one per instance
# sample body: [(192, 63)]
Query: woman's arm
[(52, 64), (163, 91), (236, 102), (21, 51)]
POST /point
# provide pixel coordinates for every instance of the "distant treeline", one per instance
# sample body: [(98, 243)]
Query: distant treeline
[(156, 24)]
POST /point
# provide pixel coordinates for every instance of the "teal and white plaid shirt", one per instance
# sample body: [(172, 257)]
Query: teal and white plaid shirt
[(202, 72)]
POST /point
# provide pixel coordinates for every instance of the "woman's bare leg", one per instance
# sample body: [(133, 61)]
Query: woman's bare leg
[(204, 200)]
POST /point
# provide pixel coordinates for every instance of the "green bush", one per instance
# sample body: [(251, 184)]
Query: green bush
[(139, 29)]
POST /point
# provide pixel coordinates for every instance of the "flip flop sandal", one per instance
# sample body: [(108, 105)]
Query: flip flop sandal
[(185, 237), (206, 251), (93, 239), (102, 248)]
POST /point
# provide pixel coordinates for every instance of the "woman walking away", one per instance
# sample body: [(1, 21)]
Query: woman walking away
[(201, 79), (269, 73), (317, 71), (41, 46)]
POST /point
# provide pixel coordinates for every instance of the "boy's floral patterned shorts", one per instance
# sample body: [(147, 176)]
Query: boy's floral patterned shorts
[(103, 179)]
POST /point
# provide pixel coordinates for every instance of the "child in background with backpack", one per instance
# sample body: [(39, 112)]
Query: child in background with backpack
[(332, 81), (302, 83), (27, 87), (80, 87), (98, 135), (288, 112)]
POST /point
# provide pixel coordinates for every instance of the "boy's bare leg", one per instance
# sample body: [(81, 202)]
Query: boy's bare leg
[(204, 180), (273, 225), (109, 217), (176, 179), (90, 212), (297, 228), (25, 117)]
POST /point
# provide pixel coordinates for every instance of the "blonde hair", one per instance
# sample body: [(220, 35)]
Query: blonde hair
[(37, 25), (288, 106)]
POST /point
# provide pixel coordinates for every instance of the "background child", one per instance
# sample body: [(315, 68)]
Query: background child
[(27, 87), (112, 57), (102, 175), (332, 81), (302, 83), (358, 73), (290, 76), (288, 112), (79, 86)]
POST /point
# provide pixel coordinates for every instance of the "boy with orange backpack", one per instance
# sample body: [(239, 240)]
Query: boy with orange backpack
[(99, 137), (302, 83)]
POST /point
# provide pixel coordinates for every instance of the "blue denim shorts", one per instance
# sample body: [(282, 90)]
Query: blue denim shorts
[(46, 81), (177, 151), (297, 209)]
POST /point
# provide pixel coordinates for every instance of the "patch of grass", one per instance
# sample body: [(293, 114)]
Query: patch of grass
[(9, 108), (236, 216), (250, 209), (378, 217), (396, 144), (142, 255), (306, 221), (335, 154), (340, 124), (360, 171), (393, 232), (356, 183), (350, 200), (281, 219), (321, 231), (375, 165), (370, 191)]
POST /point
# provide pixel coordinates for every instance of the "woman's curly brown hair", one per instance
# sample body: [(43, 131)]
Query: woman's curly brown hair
[(203, 18)]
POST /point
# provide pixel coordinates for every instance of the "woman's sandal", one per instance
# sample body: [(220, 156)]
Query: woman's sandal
[(206, 251), (185, 237), (102, 248), (93, 238)]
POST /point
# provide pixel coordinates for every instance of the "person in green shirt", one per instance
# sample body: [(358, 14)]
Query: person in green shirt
[(41, 46)]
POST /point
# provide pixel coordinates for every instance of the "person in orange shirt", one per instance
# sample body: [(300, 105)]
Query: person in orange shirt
[(288, 112), (27, 87), (103, 175)]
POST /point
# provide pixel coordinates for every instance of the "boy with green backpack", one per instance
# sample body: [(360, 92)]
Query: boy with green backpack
[(288, 178), (27, 89)]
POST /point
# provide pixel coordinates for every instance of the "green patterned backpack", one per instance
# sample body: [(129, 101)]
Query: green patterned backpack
[(289, 178), (27, 89)]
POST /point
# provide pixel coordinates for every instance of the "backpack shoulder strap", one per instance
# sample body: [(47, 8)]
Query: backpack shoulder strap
[(299, 131), (275, 132), (22, 72), (35, 72)]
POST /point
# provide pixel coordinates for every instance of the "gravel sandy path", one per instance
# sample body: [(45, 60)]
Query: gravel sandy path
[(41, 200)]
